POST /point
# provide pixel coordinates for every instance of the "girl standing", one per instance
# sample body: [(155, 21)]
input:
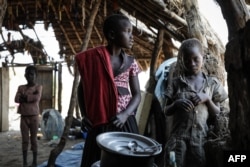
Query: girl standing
[(109, 92)]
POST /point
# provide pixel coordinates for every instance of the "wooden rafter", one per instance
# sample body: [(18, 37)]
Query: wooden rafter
[(146, 62), (144, 58), (98, 34), (143, 15), (92, 43), (143, 43), (174, 18), (70, 30), (73, 25), (3, 8), (139, 63), (149, 16), (62, 29), (9, 49)]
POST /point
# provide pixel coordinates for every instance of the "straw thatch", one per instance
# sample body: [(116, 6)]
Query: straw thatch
[(68, 19)]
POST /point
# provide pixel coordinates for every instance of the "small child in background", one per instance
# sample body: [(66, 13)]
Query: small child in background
[(28, 97), (191, 98)]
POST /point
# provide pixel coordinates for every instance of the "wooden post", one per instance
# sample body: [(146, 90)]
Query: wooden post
[(4, 99), (147, 118), (168, 47), (59, 87), (237, 58), (56, 151), (45, 78), (235, 19), (155, 54), (3, 7)]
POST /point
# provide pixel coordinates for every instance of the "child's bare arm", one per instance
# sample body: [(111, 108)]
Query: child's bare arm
[(36, 96), (213, 108), (133, 104), (80, 98), (18, 95)]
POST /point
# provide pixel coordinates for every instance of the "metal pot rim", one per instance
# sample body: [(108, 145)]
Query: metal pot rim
[(113, 141)]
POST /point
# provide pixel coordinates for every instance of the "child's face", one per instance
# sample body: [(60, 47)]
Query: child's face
[(123, 36), (30, 76), (193, 60)]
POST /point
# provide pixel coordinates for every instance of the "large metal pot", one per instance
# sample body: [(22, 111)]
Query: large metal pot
[(121, 149)]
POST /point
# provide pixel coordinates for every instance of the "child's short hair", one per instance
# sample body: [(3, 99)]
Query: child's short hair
[(111, 23), (190, 43), (30, 68), (186, 45)]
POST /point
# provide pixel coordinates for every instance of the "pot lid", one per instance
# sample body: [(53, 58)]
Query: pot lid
[(128, 144)]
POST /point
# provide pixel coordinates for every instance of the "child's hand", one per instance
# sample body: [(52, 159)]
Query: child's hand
[(200, 98), (120, 120), (23, 98), (184, 104)]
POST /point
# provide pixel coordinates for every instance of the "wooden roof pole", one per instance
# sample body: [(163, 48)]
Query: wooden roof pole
[(144, 43), (98, 34), (155, 55), (3, 7), (73, 25), (149, 16), (146, 63), (168, 47), (56, 151), (90, 25), (62, 29), (168, 13), (171, 30)]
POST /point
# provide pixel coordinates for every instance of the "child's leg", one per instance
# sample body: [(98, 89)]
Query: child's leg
[(180, 152), (25, 138), (196, 154), (25, 133), (178, 145), (34, 123), (34, 163), (25, 163), (91, 151)]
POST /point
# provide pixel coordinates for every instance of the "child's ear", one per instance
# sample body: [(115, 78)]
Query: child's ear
[(111, 35)]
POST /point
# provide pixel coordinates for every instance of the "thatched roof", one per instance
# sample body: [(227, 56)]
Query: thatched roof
[(69, 20)]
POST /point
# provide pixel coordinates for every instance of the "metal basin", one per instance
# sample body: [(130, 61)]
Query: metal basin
[(116, 150)]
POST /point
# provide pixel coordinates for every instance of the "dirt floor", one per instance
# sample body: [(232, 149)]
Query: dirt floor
[(10, 147)]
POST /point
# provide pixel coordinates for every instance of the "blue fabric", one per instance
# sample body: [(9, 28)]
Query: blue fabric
[(69, 158), (161, 76)]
